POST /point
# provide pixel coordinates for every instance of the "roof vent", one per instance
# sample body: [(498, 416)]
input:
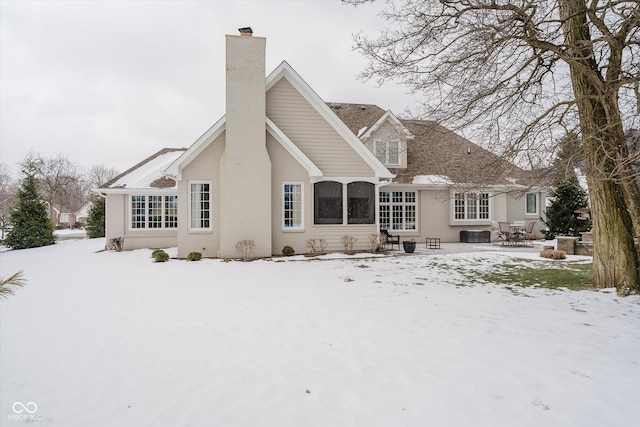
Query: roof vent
[(246, 31), (336, 106), (363, 107)]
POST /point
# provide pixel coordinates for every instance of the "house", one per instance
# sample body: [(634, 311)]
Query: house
[(282, 167), (443, 183)]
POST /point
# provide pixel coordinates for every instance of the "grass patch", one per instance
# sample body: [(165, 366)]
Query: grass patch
[(575, 277)]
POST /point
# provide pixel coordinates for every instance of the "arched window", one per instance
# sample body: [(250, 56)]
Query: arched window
[(361, 203), (327, 206)]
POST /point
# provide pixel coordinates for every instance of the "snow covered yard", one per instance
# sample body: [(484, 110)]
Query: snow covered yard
[(112, 339)]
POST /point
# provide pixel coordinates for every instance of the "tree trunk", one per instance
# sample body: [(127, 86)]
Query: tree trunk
[(615, 261)]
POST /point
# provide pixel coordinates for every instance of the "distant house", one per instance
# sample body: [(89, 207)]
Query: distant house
[(282, 167)]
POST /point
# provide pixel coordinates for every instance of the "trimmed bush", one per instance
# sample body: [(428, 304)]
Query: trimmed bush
[(288, 251), (194, 256), (160, 256), (553, 254), (155, 252)]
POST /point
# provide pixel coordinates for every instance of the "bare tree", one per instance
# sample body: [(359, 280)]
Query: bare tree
[(7, 199), (62, 182), (100, 174), (523, 74)]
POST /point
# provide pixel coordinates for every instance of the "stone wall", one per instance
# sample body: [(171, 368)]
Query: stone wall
[(573, 246)]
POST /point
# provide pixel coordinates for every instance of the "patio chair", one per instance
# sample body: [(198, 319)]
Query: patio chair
[(496, 234), (529, 233), (388, 239), (504, 233)]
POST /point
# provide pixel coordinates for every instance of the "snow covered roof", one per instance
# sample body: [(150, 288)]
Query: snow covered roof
[(147, 174), (432, 179)]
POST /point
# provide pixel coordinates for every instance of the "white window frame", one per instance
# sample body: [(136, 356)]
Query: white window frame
[(191, 201), (403, 206), (147, 212), (526, 203), (384, 157), (475, 201), (300, 226)]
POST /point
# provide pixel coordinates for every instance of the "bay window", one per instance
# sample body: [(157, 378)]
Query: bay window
[(153, 211)]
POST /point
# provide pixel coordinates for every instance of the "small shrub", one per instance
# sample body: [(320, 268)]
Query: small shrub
[(116, 244), (155, 252), (311, 244), (160, 256), (245, 249), (288, 251), (375, 242), (348, 242), (322, 245), (194, 256), (553, 254)]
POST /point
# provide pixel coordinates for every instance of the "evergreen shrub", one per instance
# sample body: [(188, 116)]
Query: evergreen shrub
[(160, 256), (32, 227), (288, 251)]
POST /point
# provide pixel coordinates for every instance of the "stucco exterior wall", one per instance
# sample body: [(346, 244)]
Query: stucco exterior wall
[(312, 134), (114, 216), (286, 169), (205, 167), (435, 215), (117, 225)]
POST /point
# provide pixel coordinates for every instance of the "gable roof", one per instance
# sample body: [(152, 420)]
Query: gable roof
[(357, 116), (437, 150), (435, 155), (148, 174), (388, 116), (175, 168), (284, 70)]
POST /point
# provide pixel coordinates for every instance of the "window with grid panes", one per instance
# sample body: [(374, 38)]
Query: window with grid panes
[(292, 206), (152, 211), (471, 206), (199, 205), (398, 210)]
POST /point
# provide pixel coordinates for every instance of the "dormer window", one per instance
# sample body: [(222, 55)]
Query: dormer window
[(388, 151)]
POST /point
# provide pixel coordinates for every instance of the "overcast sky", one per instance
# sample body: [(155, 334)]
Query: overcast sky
[(112, 82)]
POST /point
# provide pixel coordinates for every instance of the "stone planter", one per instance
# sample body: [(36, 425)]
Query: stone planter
[(409, 246)]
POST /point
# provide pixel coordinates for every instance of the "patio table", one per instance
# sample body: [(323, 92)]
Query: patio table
[(518, 233)]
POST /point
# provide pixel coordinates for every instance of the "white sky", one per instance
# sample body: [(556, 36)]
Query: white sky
[(113, 82)]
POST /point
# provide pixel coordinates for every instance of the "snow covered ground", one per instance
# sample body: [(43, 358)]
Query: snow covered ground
[(112, 339)]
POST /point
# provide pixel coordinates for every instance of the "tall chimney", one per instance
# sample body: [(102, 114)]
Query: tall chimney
[(245, 167)]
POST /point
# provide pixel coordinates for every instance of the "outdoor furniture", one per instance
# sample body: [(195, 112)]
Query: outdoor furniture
[(388, 239), (529, 230), (433, 243), (475, 236), (495, 232), (504, 233), (518, 235)]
